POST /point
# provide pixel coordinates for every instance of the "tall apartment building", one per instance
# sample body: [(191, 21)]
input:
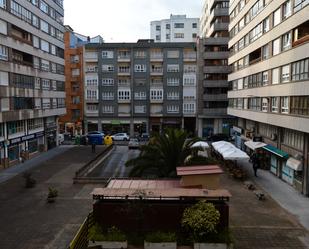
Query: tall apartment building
[(31, 76), (213, 69), (270, 96), (178, 28), (72, 122), (140, 87)]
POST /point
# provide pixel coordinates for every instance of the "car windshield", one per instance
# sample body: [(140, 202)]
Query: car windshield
[(133, 140)]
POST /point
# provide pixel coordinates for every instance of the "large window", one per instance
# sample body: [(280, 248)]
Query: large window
[(173, 109), (285, 73), (139, 68), (156, 94), (286, 9), (274, 104), (173, 81), (300, 70), (107, 54), (286, 41), (107, 109), (124, 95), (107, 82), (171, 68), (277, 17), (44, 26), (92, 95), (275, 76), (173, 95), (107, 95), (140, 95), (284, 104), (179, 25), (276, 46), (140, 109), (15, 127), (299, 105), (3, 53), (35, 124)]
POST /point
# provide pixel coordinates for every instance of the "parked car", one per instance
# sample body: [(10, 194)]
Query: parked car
[(120, 137), (218, 137), (133, 143), (95, 133)]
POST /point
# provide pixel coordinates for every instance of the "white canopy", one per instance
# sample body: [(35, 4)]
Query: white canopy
[(201, 144), (294, 164), (254, 145), (229, 151)]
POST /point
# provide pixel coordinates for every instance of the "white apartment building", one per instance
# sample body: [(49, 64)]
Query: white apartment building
[(178, 28), (31, 77), (269, 44)]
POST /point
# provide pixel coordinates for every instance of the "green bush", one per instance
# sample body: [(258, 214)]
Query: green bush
[(219, 237), (200, 160), (201, 219), (52, 192), (158, 237), (113, 234)]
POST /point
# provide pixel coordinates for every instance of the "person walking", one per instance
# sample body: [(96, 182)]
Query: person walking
[(255, 163)]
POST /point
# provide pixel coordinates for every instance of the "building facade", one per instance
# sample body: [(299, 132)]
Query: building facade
[(72, 122), (31, 77), (178, 28), (213, 70), (140, 87), (270, 96)]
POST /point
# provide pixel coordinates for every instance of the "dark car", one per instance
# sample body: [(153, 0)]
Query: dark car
[(145, 137), (218, 137)]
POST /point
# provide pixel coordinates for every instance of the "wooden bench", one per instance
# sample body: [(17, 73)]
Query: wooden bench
[(260, 195)]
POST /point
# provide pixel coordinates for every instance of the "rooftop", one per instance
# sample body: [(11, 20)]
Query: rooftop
[(199, 170), (143, 184)]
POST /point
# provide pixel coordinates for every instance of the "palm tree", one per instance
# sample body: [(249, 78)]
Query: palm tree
[(163, 154)]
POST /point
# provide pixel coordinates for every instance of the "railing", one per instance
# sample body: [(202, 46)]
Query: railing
[(80, 240)]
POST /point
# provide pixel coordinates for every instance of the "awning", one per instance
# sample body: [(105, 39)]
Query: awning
[(294, 164), (254, 145), (276, 151)]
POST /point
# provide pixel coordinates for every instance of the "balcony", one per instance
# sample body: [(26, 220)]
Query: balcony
[(92, 100), (216, 41), (214, 112), (215, 83), (215, 97), (124, 72), (124, 101), (154, 101), (91, 57), (219, 12), (156, 57), (156, 71), (124, 58), (189, 57), (216, 55), (156, 84), (217, 69)]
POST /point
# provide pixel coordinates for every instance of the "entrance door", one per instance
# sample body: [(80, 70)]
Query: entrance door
[(273, 164), (287, 174)]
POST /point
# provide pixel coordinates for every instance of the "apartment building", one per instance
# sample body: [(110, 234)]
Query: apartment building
[(72, 122), (213, 69), (140, 87), (178, 28), (270, 96), (31, 76)]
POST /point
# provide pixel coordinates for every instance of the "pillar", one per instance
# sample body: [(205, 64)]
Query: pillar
[(200, 127), (131, 128), (306, 166)]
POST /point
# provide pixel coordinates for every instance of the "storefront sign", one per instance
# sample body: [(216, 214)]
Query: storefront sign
[(15, 140), (39, 134), (28, 137)]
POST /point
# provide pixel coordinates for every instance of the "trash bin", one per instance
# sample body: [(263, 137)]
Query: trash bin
[(77, 140), (108, 140)]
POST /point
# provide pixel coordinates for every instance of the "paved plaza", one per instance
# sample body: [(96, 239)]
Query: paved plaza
[(28, 222)]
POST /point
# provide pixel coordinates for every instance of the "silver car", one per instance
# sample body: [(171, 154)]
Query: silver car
[(120, 137), (133, 143)]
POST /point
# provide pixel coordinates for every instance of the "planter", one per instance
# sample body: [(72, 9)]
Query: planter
[(109, 244), (212, 246), (165, 245), (51, 199)]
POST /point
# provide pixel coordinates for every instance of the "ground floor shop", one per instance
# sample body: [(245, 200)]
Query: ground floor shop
[(211, 126)]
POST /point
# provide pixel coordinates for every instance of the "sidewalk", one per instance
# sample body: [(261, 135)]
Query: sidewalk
[(8, 173), (283, 193)]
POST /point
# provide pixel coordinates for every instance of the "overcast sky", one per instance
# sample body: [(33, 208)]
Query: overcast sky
[(123, 20)]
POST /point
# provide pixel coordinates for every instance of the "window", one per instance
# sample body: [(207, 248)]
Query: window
[(300, 70), (158, 27), (274, 104), (108, 68), (91, 107), (194, 25), (45, 46), (265, 52), (107, 95), (264, 104), (3, 4), (44, 26), (140, 54), (286, 9), (15, 127), (123, 69), (173, 95), (167, 26), (299, 4), (286, 41), (3, 53), (124, 95), (172, 81), (284, 104), (140, 95), (44, 7), (179, 25), (299, 105), (266, 24), (285, 73), (107, 54), (265, 78), (194, 35), (189, 108), (44, 65), (179, 35), (75, 72), (156, 94), (140, 68), (91, 80), (107, 109), (275, 76), (277, 17), (241, 24), (172, 68), (173, 109), (92, 94), (140, 82), (36, 41), (158, 37), (189, 81), (276, 46), (172, 54), (45, 84), (140, 109)]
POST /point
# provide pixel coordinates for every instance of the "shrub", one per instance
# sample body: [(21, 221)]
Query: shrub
[(158, 237), (52, 192), (201, 219), (113, 234)]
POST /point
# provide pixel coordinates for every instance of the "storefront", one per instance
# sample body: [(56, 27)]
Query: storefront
[(237, 134), (291, 169), (277, 159)]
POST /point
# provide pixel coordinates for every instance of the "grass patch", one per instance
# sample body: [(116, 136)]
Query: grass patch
[(158, 237)]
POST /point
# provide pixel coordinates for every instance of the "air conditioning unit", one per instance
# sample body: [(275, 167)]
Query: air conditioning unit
[(273, 137)]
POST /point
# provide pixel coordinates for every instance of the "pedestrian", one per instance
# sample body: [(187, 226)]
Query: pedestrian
[(255, 163), (93, 148)]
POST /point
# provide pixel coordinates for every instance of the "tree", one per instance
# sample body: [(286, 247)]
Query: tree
[(163, 154), (201, 219)]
